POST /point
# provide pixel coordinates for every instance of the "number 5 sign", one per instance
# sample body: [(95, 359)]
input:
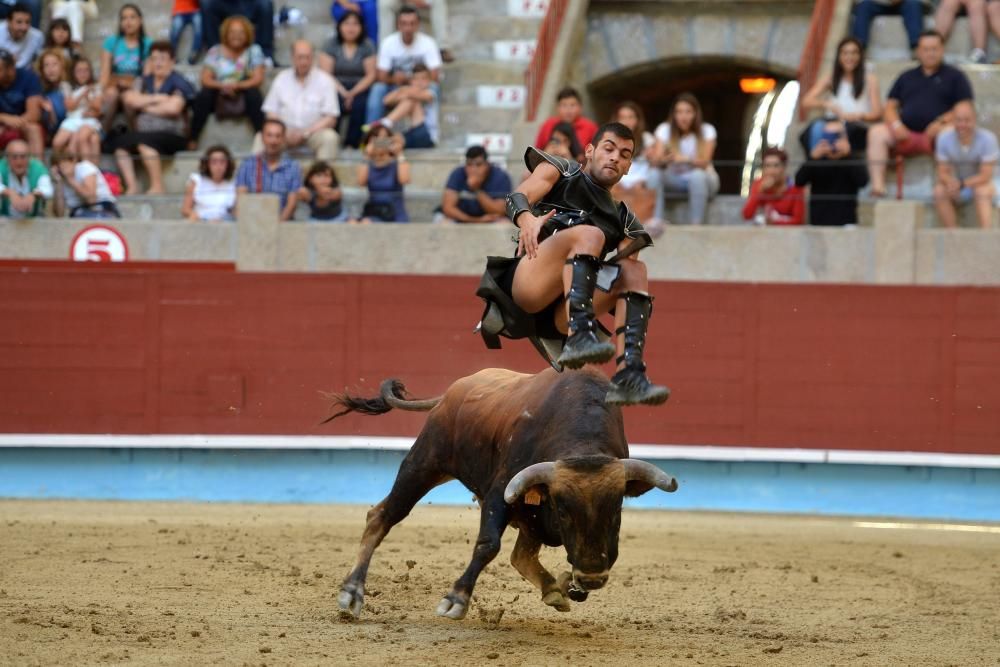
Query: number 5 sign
[(98, 243)]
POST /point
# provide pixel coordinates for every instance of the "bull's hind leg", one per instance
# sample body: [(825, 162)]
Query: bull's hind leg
[(524, 558), (415, 478), (493, 519)]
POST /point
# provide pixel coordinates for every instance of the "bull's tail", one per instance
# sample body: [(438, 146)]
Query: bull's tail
[(392, 394)]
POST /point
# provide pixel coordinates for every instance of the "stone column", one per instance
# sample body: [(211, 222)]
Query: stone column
[(896, 225), (257, 229)]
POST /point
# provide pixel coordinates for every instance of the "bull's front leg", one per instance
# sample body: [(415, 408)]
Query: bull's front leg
[(524, 558), (492, 522)]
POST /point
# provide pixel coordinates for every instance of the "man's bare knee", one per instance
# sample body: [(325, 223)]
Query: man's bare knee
[(634, 276), (586, 240)]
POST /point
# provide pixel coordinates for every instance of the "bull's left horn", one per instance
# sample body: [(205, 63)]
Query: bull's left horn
[(647, 473), (538, 473)]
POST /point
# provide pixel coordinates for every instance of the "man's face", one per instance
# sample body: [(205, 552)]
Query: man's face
[(273, 137), (408, 24), (569, 109), (930, 51), (18, 24), (476, 168), (302, 59), (965, 119), (17, 157), (609, 159), (161, 63)]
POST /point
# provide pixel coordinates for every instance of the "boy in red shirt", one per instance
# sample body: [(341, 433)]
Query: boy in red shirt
[(774, 197), (569, 109)]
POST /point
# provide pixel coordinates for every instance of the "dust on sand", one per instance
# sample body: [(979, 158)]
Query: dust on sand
[(85, 583)]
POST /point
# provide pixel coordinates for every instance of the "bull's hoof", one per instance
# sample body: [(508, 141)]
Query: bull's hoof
[(453, 609), (556, 600), (351, 600)]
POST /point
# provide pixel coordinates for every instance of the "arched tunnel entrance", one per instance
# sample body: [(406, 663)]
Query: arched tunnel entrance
[(745, 121)]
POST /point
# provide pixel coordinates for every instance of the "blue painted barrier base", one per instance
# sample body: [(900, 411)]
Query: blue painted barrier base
[(365, 477)]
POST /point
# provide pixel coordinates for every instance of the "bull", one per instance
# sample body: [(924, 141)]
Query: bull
[(542, 452)]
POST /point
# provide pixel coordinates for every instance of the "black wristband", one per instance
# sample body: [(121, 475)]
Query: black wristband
[(517, 203)]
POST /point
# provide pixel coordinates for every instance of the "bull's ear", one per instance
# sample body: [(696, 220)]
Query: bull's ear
[(535, 495)]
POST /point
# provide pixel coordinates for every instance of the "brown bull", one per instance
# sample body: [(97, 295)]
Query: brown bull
[(542, 452)]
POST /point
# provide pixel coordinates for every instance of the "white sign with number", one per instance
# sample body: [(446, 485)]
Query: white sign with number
[(493, 142), (514, 50), (98, 243), (527, 8), (500, 97)]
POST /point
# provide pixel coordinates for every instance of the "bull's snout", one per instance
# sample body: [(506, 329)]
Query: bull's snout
[(590, 582)]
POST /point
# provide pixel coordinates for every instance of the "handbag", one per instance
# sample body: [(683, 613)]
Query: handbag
[(382, 210), (230, 107)]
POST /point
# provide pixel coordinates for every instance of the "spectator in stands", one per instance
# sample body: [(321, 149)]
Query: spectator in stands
[(685, 147), (563, 142), (210, 193), (476, 191), (388, 9), (634, 187), (397, 55), (834, 176), (367, 12), (966, 157), (919, 107), (384, 173), (304, 98), (414, 110), (58, 37), (993, 16), (20, 105), (259, 14), (123, 59), (850, 94), (270, 171), (865, 12), (80, 132), (74, 12), (25, 184), (944, 20), (55, 90), (34, 8), (321, 191), (350, 57), (774, 198), (231, 77), (569, 109), (186, 13), (81, 190), (19, 38)]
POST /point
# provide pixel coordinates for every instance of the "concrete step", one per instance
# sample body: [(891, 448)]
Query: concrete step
[(463, 119), (889, 40), (468, 74)]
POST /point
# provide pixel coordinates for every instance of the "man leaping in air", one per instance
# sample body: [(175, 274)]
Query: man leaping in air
[(556, 285)]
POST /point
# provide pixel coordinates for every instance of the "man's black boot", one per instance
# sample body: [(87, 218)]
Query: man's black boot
[(630, 386), (583, 346)]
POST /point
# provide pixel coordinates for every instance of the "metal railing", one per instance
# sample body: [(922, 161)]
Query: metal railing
[(548, 37)]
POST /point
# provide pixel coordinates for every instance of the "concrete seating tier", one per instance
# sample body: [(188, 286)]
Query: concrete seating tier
[(889, 41)]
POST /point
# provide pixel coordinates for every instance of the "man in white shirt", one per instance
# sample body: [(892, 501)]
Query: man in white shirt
[(19, 38), (397, 55), (25, 184), (387, 10), (304, 98)]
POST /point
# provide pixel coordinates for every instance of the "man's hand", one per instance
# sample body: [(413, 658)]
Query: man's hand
[(820, 150), (399, 78), (899, 131), (228, 89), (474, 181), (527, 240), (294, 137), (66, 169), (767, 182), (953, 187), (23, 203), (12, 121)]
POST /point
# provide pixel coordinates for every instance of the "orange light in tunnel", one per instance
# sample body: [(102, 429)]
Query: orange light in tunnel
[(756, 85)]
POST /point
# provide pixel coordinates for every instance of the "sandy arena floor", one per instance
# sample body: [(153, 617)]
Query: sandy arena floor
[(85, 583)]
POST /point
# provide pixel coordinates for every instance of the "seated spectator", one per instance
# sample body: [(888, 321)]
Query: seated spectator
[(475, 192), (850, 94), (80, 188), (350, 57), (682, 159), (159, 101), (919, 107), (25, 184), (633, 188), (58, 37), (385, 172), (397, 55), (186, 13), (231, 77), (944, 20), (34, 7), (414, 110), (270, 171), (834, 176), (993, 16), (73, 12), (55, 90), (388, 9), (304, 98), (210, 194), (569, 109), (774, 199), (966, 157), (321, 191), (80, 132), (20, 105), (563, 142), (865, 12), (123, 60), (19, 38), (367, 12), (259, 14)]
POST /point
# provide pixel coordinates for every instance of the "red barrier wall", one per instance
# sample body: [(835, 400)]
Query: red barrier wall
[(87, 349)]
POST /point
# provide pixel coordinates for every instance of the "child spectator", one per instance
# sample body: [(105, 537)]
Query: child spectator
[(975, 10), (81, 191), (55, 89), (415, 106), (24, 183), (73, 12), (123, 59), (80, 132), (475, 192), (210, 193), (834, 176), (18, 37), (384, 173), (569, 109), (321, 191), (774, 198), (186, 13), (966, 158), (350, 57), (563, 142), (58, 37)]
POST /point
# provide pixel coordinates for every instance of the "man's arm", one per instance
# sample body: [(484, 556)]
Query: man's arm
[(33, 109), (536, 186), (449, 206), (290, 204), (493, 206)]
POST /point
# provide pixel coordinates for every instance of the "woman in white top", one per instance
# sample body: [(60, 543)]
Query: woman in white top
[(81, 190), (685, 146), (633, 188), (211, 194), (850, 93)]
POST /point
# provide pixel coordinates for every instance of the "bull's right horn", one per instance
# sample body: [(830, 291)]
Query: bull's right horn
[(538, 473), (647, 473)]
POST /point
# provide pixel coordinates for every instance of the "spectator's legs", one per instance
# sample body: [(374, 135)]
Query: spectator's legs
[(88, 144), (254, 102), (654, 181), (993, 14), (196, 34), (261, 14), (127, 169), (110, 107), (945, 206), (983, 195), (324, 143), (151, 161), (944, 16), (35, 137), (702, 185), (36, 12), (880, 141), (369, 15), (376, 109), (404, 109), (213, 12), (201, 107), (864, 13), (387, 17), (63, 139), (177, 23), (439, 23), (978, 30), (913, 20), (352, 136)]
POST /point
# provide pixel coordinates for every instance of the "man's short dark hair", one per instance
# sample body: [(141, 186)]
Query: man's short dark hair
[(568, 92), (7, 58), (407, 9), (19, 8), (420, 68), (476, 152), (163, 46), (274, 121), (615, 128), (930, 32)]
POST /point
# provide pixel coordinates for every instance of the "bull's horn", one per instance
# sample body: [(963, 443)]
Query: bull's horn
[(647, 473), (538, 473)]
